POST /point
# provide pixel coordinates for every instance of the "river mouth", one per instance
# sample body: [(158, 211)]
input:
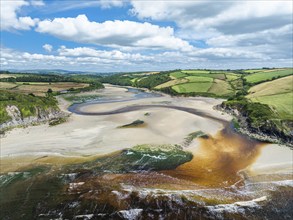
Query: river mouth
[(208, 178)]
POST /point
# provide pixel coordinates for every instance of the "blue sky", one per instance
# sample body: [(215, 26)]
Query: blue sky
[(115, 35)]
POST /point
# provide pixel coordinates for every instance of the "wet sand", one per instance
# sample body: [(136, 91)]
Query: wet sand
[(92, 135), (217, 160)]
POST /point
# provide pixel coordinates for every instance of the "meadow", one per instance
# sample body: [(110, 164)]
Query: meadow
[(277, 94), (265, 75)]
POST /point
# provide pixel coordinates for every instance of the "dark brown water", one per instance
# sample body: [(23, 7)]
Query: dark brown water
[(219, 159)]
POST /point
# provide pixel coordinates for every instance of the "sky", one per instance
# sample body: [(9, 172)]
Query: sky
[(145, 35)]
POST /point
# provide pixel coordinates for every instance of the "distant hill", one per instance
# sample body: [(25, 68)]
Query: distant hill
[(56, 71)]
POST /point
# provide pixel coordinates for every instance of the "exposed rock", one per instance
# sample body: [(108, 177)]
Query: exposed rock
[(41, 116), (265, 133)]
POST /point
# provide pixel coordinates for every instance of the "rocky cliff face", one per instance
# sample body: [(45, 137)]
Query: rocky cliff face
[(267, 132), (41, 116)]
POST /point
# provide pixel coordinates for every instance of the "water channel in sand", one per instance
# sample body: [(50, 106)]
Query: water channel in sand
[(218, 159), (230, 176)]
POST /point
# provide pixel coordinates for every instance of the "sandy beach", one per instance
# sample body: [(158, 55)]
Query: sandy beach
[(85, 136), (88, 135)]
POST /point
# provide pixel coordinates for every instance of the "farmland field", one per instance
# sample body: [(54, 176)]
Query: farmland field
[(41, 88), (268, 75), (199, 79), (192, 87), (282, 85), (282, 103), (221, 87), (231, 76), (178, 75), (172, 83), (254, 70), (7, 85), (277, 94), (195, 71)]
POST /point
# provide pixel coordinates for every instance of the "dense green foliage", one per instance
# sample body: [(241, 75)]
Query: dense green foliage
[(117, 80), (50, 78), (256, 113), (28, 105), (92, 86), (152, 81), (260, 117)]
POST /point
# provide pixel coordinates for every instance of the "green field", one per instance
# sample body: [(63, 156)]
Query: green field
[(278, 94), (192, 87), (178, 75), (281, 103), (267, 75), (232, 76), (40, 89), (254, 70), (199, 79), (282, 85), (195, 71), (221, 87), (172, 83)]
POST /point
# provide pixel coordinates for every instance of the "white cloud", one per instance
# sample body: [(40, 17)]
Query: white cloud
[(91, 59), (102, 54), (48, 47), (111, 3), (250, 29), (9, 15), (266, 36), (113, 33), (204, 19), (37, 2), (59, 6)]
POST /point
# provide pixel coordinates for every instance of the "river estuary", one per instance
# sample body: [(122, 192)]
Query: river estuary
[(184, 161)]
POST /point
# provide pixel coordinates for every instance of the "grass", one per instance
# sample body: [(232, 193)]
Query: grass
[(209, 75), (231, 76), (199, 79), (268, 75), (195, 71), (221, 87), (281, 103), (282, 85), (7, 85), (172, 83), (277, 94), (254, 70), (42, 88), (192, 87), (178, 75)]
